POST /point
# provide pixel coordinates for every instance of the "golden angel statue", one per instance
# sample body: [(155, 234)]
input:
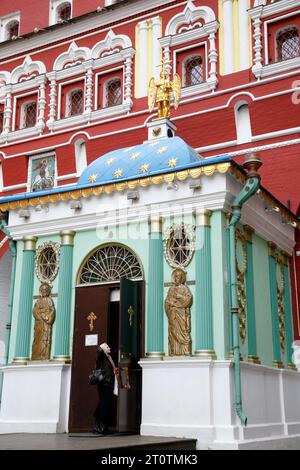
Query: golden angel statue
[(160, 92)]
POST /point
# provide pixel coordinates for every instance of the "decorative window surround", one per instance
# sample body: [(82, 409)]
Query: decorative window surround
[(81, 26), (54, 5), (208, 29), (194, 89), (5, 20), (258, 13), (87, 67)]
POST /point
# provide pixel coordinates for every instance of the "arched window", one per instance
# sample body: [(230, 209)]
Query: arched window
[(110, 263), (193, 71), (113, 93), (243, 122), (63, 12), (80, 156), (12, 30), (288, 46), (75, 103), (29, 115)]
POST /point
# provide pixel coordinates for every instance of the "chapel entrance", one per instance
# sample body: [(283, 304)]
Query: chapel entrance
[(109, 311)]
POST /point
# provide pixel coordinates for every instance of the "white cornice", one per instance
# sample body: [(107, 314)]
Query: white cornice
[(91, 117), (277, 67), (273, 8), (189, 36), (82, 25)]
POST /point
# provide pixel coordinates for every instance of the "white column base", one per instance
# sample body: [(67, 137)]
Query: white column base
[(35, 398), (195, 398)]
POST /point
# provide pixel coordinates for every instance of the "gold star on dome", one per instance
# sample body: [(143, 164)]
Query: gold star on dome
[(145, 168), (93, 178), (128, 149), (118, 173), (135, 155), (110, 161), (172, 162), (162, 150)]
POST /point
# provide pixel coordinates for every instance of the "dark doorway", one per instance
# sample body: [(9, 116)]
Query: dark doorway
[(115, 324)]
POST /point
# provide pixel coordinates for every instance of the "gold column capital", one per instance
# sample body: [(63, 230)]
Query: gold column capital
[(29, 243), (249, 232), (272, 249), (155, 224), (202, 217), (67, 237), (285, 258)]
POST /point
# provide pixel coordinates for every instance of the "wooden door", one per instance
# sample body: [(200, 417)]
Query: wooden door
[(131, 344), (84, 397)]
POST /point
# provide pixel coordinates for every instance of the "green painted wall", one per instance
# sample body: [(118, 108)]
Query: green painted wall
[(262, 300), (219, 284)]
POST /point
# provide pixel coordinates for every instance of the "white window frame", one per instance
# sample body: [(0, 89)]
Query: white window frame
[(14, 114), (68, 102), (60, 86), (80, 156), (36, 157), (5, 20), (23, 115), (54, 4), (262, 12), (105, 72), (244, 135), (201, 87), (106, 83)]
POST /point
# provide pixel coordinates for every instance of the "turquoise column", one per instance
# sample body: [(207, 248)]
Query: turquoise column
[(22, 351), (64, 300), (155, 305), (251, 321), (288, 315), (277, 362), (204, 340), (230, 333)]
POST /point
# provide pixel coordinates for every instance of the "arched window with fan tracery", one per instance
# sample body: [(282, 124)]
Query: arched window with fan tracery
[(109, 264)]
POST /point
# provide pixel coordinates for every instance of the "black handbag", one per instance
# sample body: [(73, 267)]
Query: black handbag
[(96, 377)]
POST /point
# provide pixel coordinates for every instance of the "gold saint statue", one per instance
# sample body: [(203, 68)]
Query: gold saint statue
[(177, 306), (44, 314), (160, 92)]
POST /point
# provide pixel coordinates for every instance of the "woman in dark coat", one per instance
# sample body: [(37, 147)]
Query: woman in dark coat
[(105, 389)]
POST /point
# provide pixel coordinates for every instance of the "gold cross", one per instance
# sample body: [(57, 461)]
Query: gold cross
[(130, 313), (91, 318)]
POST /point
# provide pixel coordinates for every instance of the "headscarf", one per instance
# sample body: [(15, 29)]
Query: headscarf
[(105, 348)]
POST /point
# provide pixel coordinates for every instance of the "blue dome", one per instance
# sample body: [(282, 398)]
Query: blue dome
[(142, 160)]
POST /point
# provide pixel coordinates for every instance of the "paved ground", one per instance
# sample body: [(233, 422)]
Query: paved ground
[(89, 442)]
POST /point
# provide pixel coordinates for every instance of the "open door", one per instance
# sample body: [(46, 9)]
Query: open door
[(91, 325), (130, 351)]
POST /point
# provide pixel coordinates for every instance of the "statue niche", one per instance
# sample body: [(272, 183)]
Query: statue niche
[(44, 314), (177, 306)]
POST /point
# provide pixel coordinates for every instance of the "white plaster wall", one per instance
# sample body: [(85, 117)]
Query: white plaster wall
[(195, 398), (35, 398)]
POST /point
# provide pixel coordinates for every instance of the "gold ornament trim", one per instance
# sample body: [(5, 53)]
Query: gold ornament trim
[(241, 285), (193, 173)]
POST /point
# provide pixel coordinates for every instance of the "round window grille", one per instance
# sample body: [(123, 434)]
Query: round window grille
[(110, 264), (179, 245), (47, 261)]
